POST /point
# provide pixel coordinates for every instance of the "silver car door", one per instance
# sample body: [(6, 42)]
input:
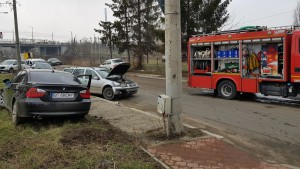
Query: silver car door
[(95, 78)]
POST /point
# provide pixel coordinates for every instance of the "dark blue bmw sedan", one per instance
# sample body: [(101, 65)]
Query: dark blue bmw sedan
[(41, 92)]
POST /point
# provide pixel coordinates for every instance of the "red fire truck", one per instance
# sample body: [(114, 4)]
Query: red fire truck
[(246, 61)]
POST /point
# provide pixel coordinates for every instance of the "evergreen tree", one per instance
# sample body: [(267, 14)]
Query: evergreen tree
[(136, 28), (122, 10), (205, 16), (146, 19), (297, 14), (107, 34)]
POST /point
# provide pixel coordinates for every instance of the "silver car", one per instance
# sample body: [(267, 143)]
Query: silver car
[(110, 84), (11, 65)]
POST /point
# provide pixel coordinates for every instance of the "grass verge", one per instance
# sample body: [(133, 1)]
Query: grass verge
[(158, 67), (65, 143)]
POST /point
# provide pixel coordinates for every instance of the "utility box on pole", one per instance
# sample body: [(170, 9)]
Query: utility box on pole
[(164, 107), (164, 104)]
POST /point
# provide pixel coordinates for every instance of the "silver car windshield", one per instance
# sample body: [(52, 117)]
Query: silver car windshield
[(103, 73)]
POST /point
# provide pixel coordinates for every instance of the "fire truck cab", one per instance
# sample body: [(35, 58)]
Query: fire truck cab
[(256, 60)]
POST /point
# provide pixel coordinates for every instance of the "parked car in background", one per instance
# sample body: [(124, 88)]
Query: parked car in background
[(111, 63), (41, 65), (110, 84), (30, 62), (40, 92), (11, 65), (54, 61)]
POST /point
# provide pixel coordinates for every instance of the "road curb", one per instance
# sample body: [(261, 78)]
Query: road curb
[(158, 117), (153, 156)]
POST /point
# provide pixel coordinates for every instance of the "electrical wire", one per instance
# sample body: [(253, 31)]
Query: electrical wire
[(269, 16)]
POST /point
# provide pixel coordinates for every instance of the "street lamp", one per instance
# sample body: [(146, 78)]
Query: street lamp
[(31, 33)]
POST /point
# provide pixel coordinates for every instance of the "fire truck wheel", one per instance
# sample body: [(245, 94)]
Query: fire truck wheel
[(227, 90)]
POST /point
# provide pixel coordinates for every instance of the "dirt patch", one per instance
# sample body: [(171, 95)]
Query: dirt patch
[(89, 135), (160, 134)]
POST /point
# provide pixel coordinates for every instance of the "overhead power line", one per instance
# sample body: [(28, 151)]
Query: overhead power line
[(270, 16)]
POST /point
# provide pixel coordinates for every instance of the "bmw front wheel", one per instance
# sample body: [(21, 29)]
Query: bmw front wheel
[(15, 114)]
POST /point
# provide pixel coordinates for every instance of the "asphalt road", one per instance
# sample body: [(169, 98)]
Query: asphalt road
[(267, 127)]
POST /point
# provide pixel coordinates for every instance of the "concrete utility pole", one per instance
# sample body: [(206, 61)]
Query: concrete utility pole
[(71, 37), (17, 35), (173, 64)]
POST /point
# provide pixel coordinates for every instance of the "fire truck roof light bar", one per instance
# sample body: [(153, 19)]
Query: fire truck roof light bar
[(258, 28)]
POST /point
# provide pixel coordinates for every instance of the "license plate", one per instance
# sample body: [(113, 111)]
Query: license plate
[(62, 95)]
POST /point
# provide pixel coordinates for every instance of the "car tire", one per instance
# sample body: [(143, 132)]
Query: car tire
[(108, 93), (227, 90), (15, 114), (11, 70)]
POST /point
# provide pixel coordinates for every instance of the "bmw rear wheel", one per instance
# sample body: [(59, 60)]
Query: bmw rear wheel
[(15, 114), (108, 93)]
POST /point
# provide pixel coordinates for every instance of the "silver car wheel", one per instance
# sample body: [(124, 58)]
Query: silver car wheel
[(108, 93)]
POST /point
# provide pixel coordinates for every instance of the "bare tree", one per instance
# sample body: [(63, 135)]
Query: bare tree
[(297, 14)]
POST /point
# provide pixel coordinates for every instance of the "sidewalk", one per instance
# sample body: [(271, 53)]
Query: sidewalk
[(202, 153)]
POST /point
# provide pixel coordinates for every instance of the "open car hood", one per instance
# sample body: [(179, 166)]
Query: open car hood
[(120, 69)]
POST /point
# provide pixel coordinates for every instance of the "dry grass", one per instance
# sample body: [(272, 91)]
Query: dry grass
[(156, 66), (5, 76), (65, 143)]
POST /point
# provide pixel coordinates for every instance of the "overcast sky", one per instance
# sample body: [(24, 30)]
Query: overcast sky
[(61, 17)]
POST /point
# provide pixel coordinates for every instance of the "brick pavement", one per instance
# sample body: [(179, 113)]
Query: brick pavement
[(208, 153)]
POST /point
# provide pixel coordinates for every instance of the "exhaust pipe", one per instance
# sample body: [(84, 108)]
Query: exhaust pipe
[(39, 117)]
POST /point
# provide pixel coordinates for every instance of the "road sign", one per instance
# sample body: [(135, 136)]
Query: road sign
[(162, 5)]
